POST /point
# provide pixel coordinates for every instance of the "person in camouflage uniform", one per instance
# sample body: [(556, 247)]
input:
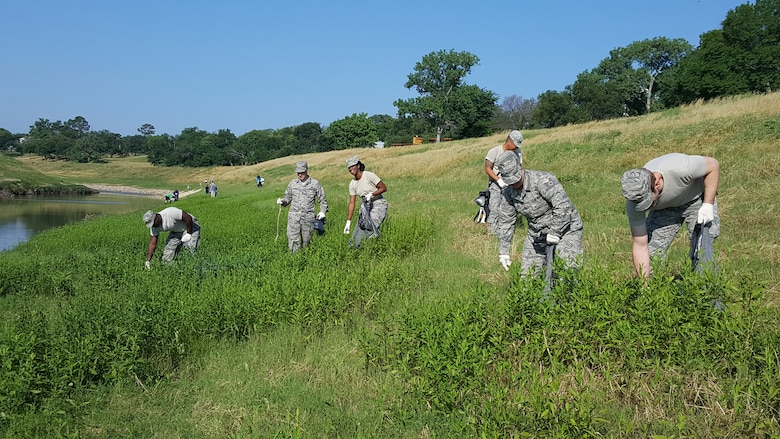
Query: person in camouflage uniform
[(495, 183), (674, 188), (300, 195), (552, 218)]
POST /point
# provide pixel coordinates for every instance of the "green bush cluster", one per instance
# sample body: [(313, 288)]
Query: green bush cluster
[(504, 370), (80, 312)]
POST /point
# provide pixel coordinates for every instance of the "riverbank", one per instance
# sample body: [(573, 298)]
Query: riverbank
[(132, 190)]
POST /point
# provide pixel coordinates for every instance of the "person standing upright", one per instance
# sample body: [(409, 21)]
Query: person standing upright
[(301, 194), (495, 183), (370, 188)]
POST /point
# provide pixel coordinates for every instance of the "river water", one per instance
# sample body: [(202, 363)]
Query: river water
[(24, 217)]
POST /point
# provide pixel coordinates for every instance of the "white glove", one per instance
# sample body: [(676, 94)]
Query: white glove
[(368, 197), (706, 213), (321, 216), (147, 265), (185, 237), (501, 183), (505, 261), (346, 228), (552, 239), (279, 201)]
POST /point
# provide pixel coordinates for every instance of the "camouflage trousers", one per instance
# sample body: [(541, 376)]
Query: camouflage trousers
[(663, 225), (173, 244), (300, 227), (569, 249), (493, 204)]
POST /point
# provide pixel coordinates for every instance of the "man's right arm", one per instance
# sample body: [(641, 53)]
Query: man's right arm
[(639, 240), (489, 170)]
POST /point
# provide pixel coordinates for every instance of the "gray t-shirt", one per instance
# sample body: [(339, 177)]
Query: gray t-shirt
[(683, 182)]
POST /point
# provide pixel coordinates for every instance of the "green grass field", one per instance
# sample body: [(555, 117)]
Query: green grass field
[(421, 333)]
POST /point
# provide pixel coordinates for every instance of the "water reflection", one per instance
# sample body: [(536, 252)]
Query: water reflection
[(23, 218)]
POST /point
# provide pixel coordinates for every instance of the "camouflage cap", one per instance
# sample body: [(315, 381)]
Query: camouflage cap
[(509, 167), (149, 218), (352, 161), (517, 139), (301, 167), (636, 188)]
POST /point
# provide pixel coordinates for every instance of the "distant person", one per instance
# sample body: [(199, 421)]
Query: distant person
[(175, 195), (495, 183), (552, 218), (168, 197), (260, 181), (301, 194), (673, 188), (184, 232), (370, 188), (213, 188)]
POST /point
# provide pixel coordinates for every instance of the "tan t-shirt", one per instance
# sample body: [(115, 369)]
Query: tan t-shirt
[(366, 184)]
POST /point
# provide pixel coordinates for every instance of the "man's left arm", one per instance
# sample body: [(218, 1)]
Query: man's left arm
[(187, 218), (711, 179)]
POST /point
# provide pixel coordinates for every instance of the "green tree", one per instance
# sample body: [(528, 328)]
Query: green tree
[(437, 79), (356, 131), (741, 57), (77, 127), (653, 57), (146, 130), (556, 108)]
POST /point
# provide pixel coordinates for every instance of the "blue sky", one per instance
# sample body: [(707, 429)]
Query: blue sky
[(245, 65)]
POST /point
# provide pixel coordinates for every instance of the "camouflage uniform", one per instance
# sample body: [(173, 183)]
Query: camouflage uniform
[(301, 196), (544, 203), (680, 200)]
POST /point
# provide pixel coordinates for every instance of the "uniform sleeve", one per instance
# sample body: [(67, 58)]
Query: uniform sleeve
[(552, 190), (322, 198), (288, 193)]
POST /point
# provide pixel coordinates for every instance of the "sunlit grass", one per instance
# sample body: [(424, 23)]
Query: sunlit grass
[(419, 334)]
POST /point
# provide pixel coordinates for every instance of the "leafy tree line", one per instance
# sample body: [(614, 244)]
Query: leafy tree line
[(741, 57)]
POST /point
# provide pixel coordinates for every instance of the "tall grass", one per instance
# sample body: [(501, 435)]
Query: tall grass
[(420, 333)]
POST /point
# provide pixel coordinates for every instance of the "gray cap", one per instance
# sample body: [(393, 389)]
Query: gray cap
[(149, 218), (636, 188), (509, 167), (516, 137), (352, 161), (301, 167)]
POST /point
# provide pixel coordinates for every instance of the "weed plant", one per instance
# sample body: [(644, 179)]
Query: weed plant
[(420, 333)]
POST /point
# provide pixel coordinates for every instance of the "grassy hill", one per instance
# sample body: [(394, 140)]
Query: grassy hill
[(419, 334)]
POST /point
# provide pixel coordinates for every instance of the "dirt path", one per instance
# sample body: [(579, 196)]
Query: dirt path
[(136, 190)]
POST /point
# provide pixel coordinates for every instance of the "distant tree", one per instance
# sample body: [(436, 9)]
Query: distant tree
[(742, 57), (6, 138), (134, 145), (515, 112), (356, 131), (652, 58), (556, 108), (437, 79), (146, 130), (471, 110), (308, 138), (77, 127)]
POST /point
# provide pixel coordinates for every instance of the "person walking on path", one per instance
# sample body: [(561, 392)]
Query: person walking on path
[(184, 232), (552, 218), (370, 188), (495, 183), (301, 195), (662, 194)]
